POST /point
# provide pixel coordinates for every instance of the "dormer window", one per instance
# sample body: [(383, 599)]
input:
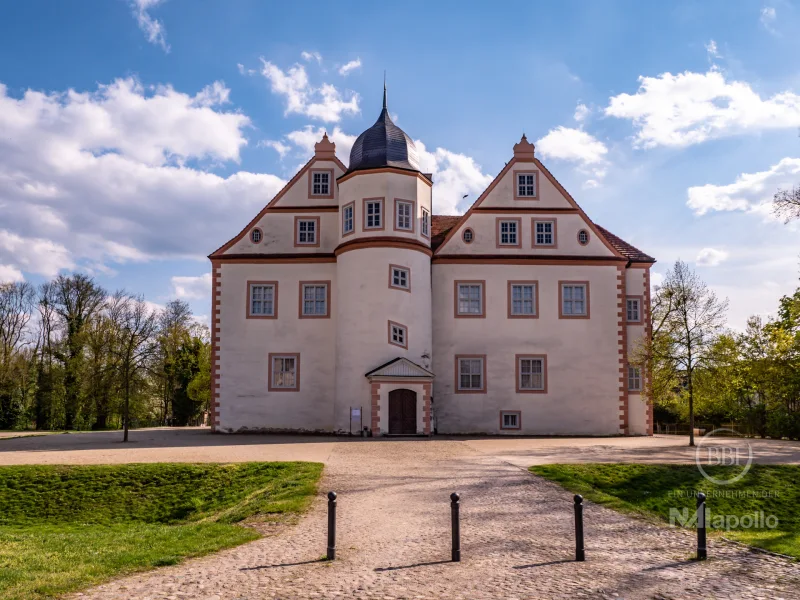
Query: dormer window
[(526, 185), (320, 183)]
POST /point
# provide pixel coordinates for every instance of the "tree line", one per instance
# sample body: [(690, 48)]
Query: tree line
[(76, 357), (702, 371)]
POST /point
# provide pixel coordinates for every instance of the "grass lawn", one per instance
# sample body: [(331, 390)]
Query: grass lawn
[(64, 528), (653, 490)]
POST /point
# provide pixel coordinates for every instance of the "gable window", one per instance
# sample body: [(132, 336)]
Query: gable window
[(426, 223), (348, 218), (510, 419), (574, 299), (284, 372), (398, 334), (256, 235), (262, 299), (320, 183), (583, 237), (470, 374), (633, 309), (306, 231), (470, 299), (508, 233), (468, 235), (531, 373), (634, 379), (315, 299), (403, 215), (522, 296), (526, 185), (373, 213), (544, 233), (400, 278)]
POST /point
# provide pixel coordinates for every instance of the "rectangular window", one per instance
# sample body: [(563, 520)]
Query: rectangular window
[(348, 219), (400, 278), (306, 231), (398, 334), (531, 373), (262, 299), (373, 214), (634, 379), (469, 298), (426, 223), (320, 183), (544, 233), (314, 299), (284, 374), (574, 299), (522, 298), (526, 184), (508, 232), (633, 309), (404, 215), (510, 419), (470, 375)]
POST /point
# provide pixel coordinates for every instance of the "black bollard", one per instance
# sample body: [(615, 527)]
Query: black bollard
[(580, 554), (331, 555), (454, 513), (702, 552)]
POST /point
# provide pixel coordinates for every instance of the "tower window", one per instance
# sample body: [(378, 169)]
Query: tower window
[(373, 213), (404, 215), (398, 334), (400, 278), (348, 218), (426, 223)]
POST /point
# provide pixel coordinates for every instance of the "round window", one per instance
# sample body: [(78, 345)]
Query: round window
[(468, 235), (583, 237), (256, 235)]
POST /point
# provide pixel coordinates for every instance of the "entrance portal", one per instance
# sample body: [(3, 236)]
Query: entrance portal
[(402, 412)]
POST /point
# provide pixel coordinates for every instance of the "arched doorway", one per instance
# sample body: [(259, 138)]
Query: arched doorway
[(402, 412)]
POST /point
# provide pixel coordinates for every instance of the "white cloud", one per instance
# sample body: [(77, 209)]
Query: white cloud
[(325, 102), (576, 146), (713, 51), (279, 147), (690, 108), (454, 175), (711, 257), (152, 28), (309, 56), (345, 69), (582, 113), (192, 288), (768, 18), (88, 179), (9, 274), (304, 139), (750, 192)]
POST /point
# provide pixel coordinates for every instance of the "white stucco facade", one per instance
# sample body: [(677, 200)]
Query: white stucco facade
[(306, 328)]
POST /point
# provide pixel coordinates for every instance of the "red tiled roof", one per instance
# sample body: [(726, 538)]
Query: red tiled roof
[(442, 224)]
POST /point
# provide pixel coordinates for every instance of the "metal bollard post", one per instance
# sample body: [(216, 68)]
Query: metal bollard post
[(454, 513), (331, 555), (702, 552), (580, 554)]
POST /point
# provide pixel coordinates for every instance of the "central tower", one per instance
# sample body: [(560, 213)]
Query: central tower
[(383, 266)]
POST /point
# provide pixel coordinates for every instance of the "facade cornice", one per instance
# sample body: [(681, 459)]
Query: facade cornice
[(382, 242), (511, 259), (352, 174)]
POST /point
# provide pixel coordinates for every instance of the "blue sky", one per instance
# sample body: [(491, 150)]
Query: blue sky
[(136, 136)]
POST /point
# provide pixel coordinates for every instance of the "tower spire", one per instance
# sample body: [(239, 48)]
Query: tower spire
[(384, 90)]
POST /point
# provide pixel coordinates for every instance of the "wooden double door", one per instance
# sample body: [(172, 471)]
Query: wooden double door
[(402, 412)]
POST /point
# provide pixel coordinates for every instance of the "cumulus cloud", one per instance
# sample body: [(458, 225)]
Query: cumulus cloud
[(713, 51), (304, 140), (309, 56), (279, 147), (9, 274), (768, 18), (325, 103), (192, 288), (345, 69), (690, 108), (711, 257), (578, 147), (454, 175), (152, 28), (111, 176), (751, 192), (582, 113)]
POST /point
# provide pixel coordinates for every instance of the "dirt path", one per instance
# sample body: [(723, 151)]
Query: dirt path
[(517, 533)]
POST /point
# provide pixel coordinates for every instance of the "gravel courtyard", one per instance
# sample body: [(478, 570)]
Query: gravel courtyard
[(394, 536)]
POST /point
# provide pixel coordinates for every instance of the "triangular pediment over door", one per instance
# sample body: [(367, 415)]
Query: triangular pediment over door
[(400, 367)]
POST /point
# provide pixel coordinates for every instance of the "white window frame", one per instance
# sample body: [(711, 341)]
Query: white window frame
[(473, 363), (426, 223), (396, 282), (543, 233), (312, 234), (470, 232), (398, 334), (527, 366), (515, 233), (634, 378), (566, 299), (278, 377), (522, 299), (252, 289), (404, 215), (470, 298), (256, 232), (324, 183), (516, 414), (633, 310), (351, 209), (375, 215), (523, 187), (315, 300), (584, 233)]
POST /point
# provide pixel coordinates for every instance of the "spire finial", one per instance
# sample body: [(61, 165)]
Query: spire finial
[(384, 89)]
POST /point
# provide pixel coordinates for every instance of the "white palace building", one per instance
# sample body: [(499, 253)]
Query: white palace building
[(347, 292)]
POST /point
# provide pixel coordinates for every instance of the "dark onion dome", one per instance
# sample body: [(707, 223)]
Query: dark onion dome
[(383, 145)]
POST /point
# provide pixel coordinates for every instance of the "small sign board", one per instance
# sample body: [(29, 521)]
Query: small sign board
[(355, 413)]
